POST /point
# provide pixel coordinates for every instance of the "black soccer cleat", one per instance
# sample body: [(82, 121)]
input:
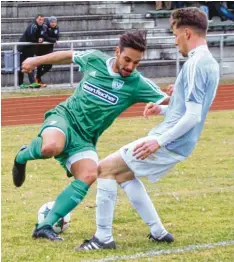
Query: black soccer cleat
[(46, 232), (18, 171), (95, 244), (168, 238)]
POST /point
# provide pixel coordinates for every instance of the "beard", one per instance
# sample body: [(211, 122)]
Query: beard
[(124, 72)]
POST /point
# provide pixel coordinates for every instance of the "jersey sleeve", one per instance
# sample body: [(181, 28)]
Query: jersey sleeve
[(196, 80), (81, 58), (31, 33), (148, 91)]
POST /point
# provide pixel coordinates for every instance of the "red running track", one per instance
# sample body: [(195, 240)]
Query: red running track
[(30, 110)]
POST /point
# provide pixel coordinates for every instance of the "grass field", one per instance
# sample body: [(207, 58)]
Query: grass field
[(195, 200)]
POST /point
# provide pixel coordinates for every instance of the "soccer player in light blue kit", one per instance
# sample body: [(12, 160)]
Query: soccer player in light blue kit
[(168, 143)]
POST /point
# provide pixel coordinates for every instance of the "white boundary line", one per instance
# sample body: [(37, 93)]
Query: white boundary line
[(154, 253)]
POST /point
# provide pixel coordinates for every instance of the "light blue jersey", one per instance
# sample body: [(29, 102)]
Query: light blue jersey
[(197, 82)]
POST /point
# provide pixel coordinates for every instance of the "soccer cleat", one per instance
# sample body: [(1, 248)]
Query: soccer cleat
[(34, 85), (168, 238), (95, 244), (18, 171), (23, 86), (46, 232)]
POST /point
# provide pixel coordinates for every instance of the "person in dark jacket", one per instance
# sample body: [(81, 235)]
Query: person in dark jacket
[(52, 36), (34, 33)]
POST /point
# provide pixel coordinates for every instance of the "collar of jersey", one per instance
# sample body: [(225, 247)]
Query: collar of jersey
[(200, 48), (109, 64)]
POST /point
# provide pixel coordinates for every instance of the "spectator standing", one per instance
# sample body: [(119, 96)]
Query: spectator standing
[(178, 4), (34, 33), (52, 36), (160, 5), (217, 8)]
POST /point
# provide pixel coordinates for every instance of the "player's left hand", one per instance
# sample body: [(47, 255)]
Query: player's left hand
[(144, 149)]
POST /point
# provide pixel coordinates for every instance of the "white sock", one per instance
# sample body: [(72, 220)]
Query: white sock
[(105, 201), (141, 201)]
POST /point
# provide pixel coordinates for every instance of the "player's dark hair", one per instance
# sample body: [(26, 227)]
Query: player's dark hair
[(39, 15), (133, 39), (191, 17)]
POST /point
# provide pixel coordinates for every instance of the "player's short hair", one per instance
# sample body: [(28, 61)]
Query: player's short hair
[(39, 15), (191, 17), (133, 39)]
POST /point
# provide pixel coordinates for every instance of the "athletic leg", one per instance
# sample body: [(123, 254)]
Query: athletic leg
[(49, 143), (115, 167), (84, 170), (105, 200), (141, 201), (109, 169)]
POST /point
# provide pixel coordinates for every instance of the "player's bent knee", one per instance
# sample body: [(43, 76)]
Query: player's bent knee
[(51, 149), (89, 177)]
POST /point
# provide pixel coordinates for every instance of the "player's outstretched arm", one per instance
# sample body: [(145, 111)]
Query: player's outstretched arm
[(60, 57), (191, 117)]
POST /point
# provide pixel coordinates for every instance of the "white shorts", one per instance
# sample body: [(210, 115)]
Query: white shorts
[(154, 166), (89, 154)]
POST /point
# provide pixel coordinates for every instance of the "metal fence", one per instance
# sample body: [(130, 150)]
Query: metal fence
[(71, 43)]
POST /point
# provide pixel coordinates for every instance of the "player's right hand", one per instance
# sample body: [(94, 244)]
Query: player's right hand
[(29, 65), (151, 109)]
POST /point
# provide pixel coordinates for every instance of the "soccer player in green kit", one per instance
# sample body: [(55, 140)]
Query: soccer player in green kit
[(70, 131)]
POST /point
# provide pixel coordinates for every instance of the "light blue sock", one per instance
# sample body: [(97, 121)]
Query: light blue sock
[(141, 201)]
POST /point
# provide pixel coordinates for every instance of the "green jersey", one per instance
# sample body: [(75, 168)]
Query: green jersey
[(102, 95)]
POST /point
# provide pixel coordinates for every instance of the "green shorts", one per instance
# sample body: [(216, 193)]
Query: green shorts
[(75, 142)]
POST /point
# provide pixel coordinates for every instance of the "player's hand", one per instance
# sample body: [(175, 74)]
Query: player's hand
[(40, 40), (144, 149), (170, 90), (29, 64), (151, 109)]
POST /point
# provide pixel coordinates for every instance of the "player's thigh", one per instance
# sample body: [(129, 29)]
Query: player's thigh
[(114, 167), (54, 132), (53, 137)]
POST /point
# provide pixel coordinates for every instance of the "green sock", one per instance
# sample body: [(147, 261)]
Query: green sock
[(66, 201), (33, 151)]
